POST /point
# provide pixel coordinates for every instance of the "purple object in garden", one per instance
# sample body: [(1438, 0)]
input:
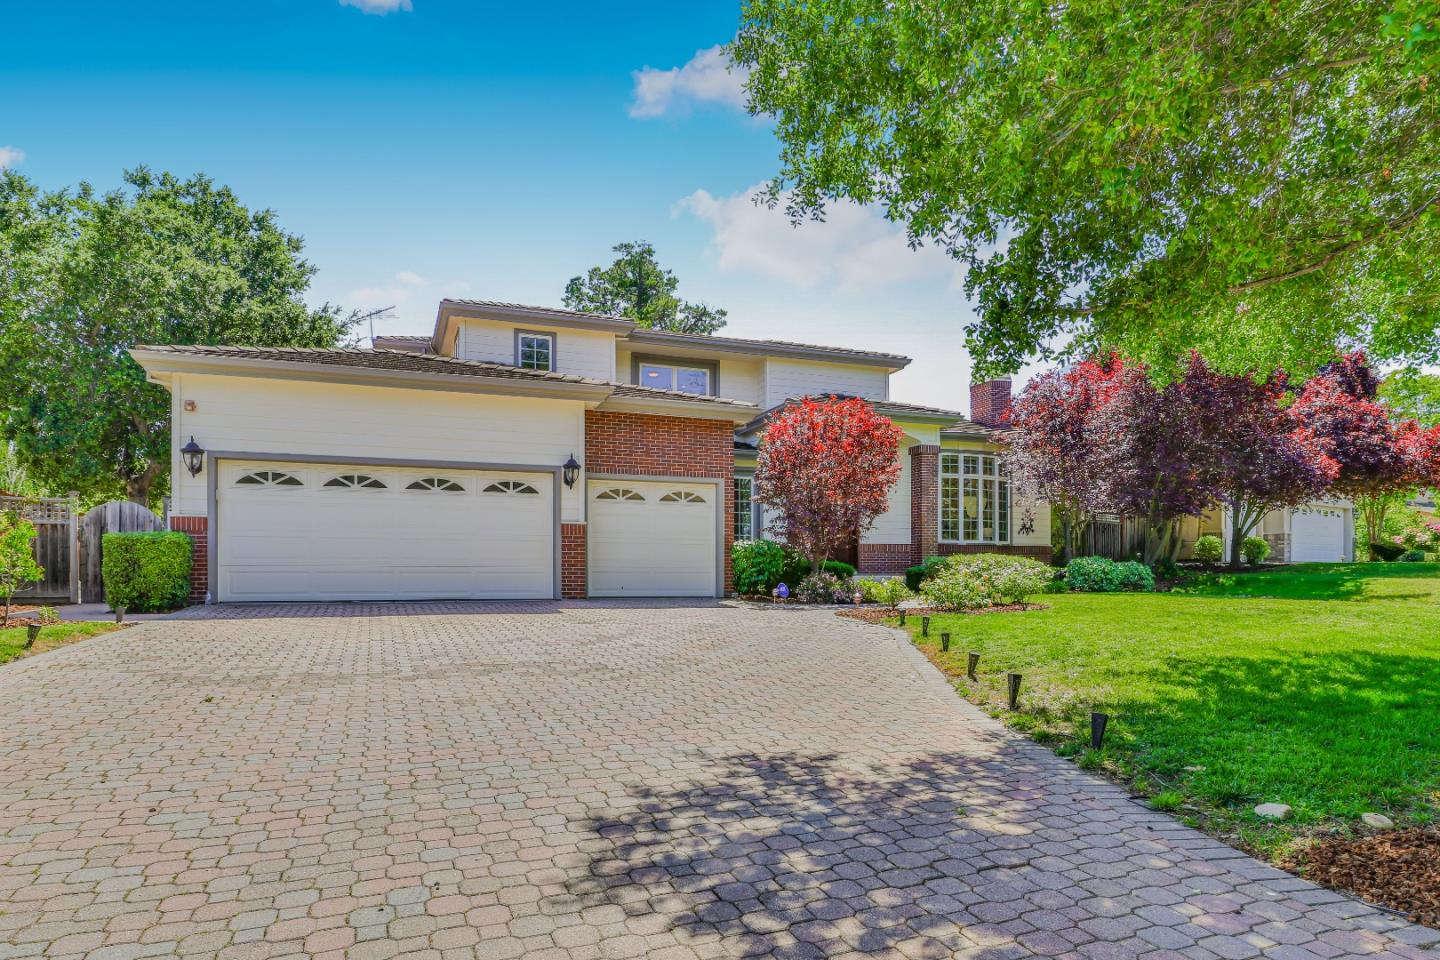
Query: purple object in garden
[(783, 592)]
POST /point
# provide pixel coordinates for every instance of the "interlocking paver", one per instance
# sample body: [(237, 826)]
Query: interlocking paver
[(576, 781)]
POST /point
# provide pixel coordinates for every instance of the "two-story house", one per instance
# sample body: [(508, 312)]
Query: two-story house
[(526, 452)]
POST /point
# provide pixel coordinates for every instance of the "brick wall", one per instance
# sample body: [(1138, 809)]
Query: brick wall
[(646, 445), (884, 559), (990, 402), (572, 561), (1041, 552), (924, 501), (199, 530)]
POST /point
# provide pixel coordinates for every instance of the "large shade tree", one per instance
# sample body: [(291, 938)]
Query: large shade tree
[(636, 287), (1258, 179), (825, 468), (1381, 460), (85, 275)]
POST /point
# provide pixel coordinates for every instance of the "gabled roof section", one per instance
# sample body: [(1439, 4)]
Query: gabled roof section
[(890, 408), (406, 368), (448, 316), (774, 348)]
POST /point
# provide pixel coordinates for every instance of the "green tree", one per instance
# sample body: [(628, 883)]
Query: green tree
[(1256, 179), (17, 559), (635, 286), (1413, 395), (86, 275)]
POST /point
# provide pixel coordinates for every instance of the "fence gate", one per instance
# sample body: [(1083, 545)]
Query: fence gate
[(55, 547), (1113, 536), (117, 516)]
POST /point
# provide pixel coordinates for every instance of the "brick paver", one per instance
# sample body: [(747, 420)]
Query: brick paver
[(584, 781)]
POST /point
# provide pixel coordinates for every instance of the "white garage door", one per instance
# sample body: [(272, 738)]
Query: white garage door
[(1317, 534), (308, 531), (652, 539)]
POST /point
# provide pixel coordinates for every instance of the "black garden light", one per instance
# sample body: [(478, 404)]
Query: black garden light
[(194, 456), (32, 633), (570, 471), (944, 642)]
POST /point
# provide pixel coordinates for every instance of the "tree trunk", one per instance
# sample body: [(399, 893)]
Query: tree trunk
[(1237, 534), (137, 489)]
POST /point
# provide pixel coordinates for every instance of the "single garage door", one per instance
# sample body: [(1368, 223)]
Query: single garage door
[(652, 539), (309, 531), (1317, 534)]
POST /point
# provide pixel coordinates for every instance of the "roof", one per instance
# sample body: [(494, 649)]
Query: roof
[(529, 308), (406, 342), (969, 428), (883, 406), (811, 350), (402, 361)]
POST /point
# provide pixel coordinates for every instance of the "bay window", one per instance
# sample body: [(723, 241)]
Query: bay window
[(974, 499)]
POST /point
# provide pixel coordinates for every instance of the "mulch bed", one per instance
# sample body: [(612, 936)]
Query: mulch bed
[(881, 614), (1399, 869)]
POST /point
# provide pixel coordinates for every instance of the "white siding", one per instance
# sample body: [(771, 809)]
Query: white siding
[(893, 526), (785, 379), (740, 378), (585, 353), (1039, 515), (240, 414)]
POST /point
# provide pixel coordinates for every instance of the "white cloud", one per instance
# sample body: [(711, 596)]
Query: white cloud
[(381, 7), (404, 289), (707, 78), (11, 157), (854, 248)]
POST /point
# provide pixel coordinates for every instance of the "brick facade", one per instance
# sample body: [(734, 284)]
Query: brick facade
[(884, 559), (990, 402), (199, 530), (572, 561), (646, 445), (924, 501), (1041, 552)]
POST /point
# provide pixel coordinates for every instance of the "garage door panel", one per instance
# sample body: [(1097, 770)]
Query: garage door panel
[(645, 543), (318, 542), (1317, 535)]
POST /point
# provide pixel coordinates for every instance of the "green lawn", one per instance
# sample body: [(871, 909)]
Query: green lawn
[(1316, 686), (12, 640)]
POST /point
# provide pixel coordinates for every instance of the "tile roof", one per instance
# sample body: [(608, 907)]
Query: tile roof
[(711, 339), (531, 308), (404, 361), (972, 429)]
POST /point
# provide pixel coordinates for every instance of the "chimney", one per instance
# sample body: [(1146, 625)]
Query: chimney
[(990, 402)]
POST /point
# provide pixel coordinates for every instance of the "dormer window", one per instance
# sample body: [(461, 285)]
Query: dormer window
[(675, 376), (534, 351)]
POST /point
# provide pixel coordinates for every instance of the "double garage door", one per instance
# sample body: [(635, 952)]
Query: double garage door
[(313, 531)]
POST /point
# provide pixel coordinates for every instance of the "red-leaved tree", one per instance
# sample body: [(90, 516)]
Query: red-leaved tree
[(1379, 460), (1264, 459), (825, 469), (1053, 448)]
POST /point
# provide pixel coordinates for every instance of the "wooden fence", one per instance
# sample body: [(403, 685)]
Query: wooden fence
[(55, 547), (117, 516), (1116, 537)]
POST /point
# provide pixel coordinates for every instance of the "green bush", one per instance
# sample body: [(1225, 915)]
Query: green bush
[(1209, 549), (984, 580), (891, 592), (914, 576), (840, 568), (1092, 575), (1254, 550), (1412, 556), (145, 572), (1386, 551), (761, 564), (1134, 575)]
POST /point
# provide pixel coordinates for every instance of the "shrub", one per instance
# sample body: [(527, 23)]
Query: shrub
[(1209, 549), (761, 564), (841, 569), (985, 579), (914, 576), (1254, 550), (1092, 575), (146, 571), (1412, 556), (47, 615), (1134, 575), (1388, 552), (823, 587), (890, 592)]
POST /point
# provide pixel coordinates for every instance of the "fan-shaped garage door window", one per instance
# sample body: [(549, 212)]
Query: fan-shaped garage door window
[(619, 493), (269, 478), (436, 485), (682, 496), (511, 486), (354, 481)]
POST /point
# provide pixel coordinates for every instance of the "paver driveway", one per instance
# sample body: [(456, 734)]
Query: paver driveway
[(583, 781)]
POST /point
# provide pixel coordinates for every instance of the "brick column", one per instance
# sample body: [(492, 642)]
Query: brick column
[(924, 501), (199, 530), (572, 561)]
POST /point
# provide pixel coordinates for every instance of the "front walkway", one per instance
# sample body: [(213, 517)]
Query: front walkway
[(582, 780)]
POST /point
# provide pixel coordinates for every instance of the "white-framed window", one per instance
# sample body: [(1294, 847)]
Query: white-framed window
[(667, 376), (535, 351), (744, 508), (974, 499)]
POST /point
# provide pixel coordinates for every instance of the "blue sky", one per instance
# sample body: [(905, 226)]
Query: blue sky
[(431, 148)]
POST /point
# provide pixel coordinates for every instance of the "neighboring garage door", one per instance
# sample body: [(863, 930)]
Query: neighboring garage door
[(1317, 534), (652, 539), (309, 531)]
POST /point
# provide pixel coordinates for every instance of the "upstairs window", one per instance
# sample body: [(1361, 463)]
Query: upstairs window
[(535, 351), (665, 376)]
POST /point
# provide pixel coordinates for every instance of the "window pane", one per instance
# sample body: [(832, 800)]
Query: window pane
[(972, 464), (949, 508), (987, 510), (662, 378), (987, 465), (949, 464), (744, 514), (971, 505), (692, 381), (535, 352), (1002, 521)]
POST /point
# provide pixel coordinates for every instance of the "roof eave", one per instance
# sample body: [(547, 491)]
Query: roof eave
[(721, 345), (671, 406), (451, 310)]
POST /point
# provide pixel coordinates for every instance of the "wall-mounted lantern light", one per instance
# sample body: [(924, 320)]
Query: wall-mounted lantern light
[(194, 457), (571, 471)]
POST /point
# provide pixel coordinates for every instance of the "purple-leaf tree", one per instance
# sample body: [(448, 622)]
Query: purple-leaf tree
[(1263, 459)]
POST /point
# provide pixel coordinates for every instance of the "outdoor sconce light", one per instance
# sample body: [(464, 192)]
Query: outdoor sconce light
[(194, 457), (571, 471)]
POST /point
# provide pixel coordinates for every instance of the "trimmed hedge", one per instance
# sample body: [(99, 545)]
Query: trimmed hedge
[(1103, 575), (1209, 549), (916, 575), (840, 568), (1254, 550), (761, 564), (146, 572), (1386, 551)]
